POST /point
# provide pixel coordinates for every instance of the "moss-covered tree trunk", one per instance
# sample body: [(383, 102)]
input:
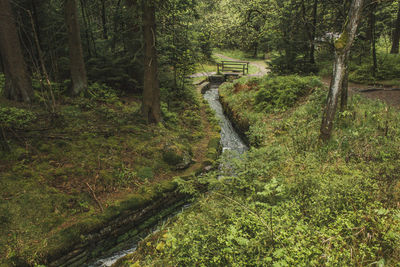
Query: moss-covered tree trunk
[(396, 34), (342, 47), (18, 82), (151, 92), (77, 64)]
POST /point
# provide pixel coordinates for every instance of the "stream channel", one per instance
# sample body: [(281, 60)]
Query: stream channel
[(230, 141)]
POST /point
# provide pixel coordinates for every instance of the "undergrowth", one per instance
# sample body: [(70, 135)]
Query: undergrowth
[(295, 201), (59, 171)]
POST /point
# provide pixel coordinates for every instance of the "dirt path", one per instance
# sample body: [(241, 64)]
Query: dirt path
[(388, 95), (202, 74)]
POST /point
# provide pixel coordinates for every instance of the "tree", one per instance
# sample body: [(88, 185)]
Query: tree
[(396, 34), (151, 109), (372, 28), (18, 83), (77, 65), (342, 48)]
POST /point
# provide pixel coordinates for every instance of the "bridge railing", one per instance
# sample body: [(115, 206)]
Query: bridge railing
[(233, 66)]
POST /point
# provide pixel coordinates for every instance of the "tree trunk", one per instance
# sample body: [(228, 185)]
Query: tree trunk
[(373, 39), (18, 83), (151, 92), (104, 19), (115, 21), (342, 47), (85, 23), (77, 65), (313, 33), (345, 85), (396, 34), (255, 49), (36, 19)]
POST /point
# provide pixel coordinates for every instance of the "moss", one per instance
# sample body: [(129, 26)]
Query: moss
[(172, 158), (104, 145), (145, 173), (341, 42)]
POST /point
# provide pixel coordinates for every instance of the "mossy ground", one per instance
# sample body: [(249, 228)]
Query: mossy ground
[(68, 174)]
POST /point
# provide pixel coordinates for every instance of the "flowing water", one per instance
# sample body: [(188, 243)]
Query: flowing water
[(230, 141)]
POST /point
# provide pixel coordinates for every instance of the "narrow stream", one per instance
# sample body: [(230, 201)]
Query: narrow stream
[(230, 141)]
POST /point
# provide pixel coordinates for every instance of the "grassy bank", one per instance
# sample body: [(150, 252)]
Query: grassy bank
[(66, 175), (295, 201)]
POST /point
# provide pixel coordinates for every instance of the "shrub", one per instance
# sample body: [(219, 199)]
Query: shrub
[(282, 92), (388, 68), (16, 118), (102, 93)]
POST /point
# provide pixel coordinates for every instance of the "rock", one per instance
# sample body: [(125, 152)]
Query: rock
[(204, 87), (185, 163), (180, 160), (207, 168)]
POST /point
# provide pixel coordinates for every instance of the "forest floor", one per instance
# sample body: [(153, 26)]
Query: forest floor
[(84, 168), (387, 94)]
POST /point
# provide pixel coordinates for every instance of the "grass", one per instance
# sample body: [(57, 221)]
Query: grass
[(294, 200), (97, 154)]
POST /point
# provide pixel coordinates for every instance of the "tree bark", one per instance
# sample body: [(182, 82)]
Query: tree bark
[(77, 65), (104, 19), (313, 33), (85, 23), (115, 21), (151, 92), (396, 34), (255, 49), (373, 39), (342, 48), (18, 83), (345, 85)]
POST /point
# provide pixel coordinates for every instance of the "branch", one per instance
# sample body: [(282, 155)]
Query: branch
[(94, 196)]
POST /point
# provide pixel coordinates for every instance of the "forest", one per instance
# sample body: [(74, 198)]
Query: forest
[(199, 133)]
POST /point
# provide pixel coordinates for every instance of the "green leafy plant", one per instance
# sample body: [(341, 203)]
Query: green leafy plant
[(102, 93), (16, 118)]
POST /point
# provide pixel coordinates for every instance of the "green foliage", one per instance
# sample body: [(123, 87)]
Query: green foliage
[(124, 177), (388, 68), (102, 93), (16, 118), (145, 173), (102, 142), (295, 201), (177, 41), (281, 92), (292, 64), (205, 45), (171, 157)]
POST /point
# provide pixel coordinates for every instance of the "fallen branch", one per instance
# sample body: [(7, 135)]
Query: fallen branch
[(94, 196)]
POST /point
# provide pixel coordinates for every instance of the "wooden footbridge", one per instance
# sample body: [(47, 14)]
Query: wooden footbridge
[(233, 67)]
